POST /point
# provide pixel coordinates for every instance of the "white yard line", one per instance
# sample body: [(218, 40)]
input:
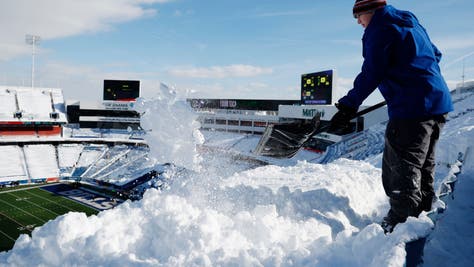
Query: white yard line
[(4, 215), (68, 208), (57, 214), (9, 237), (22, 210)]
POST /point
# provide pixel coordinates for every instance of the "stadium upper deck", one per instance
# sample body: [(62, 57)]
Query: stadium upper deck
[(22, 105)]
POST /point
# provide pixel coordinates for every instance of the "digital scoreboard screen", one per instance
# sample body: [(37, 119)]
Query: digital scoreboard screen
[(121, 90), (316, 88)]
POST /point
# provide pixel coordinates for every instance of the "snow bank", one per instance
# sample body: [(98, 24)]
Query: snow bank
[(307, 214), (208, 222)]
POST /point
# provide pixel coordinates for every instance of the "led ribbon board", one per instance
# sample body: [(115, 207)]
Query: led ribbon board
[(316, 88)]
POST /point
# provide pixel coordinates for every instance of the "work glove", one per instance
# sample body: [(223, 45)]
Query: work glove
[(340, 122)]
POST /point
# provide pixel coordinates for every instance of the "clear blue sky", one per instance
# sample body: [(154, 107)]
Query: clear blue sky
[(218, 49)]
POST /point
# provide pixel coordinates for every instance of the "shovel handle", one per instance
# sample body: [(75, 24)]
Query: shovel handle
[(369, 109), (360, 113)]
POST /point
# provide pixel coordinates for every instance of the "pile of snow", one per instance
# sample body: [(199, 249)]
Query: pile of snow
[(228, 213)]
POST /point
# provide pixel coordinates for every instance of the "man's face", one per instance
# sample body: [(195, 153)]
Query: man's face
[(364, 19)]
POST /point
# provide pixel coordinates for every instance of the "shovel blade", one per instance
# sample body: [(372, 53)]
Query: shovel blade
[(285, 140)]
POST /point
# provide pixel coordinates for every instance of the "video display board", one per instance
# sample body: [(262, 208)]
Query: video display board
[(316, 88), (121, 90)]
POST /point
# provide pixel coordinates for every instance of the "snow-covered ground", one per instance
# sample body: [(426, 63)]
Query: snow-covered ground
[(225, 212)]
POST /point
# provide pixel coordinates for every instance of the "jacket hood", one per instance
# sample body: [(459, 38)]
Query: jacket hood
[(400, 18)]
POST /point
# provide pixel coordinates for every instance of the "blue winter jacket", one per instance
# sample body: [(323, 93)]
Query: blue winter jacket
[(400, 59)]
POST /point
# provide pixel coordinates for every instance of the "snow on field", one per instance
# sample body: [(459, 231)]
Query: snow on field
[(229, 213)]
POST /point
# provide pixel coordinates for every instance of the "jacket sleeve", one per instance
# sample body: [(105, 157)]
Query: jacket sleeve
[(377, 51), (437, 53)]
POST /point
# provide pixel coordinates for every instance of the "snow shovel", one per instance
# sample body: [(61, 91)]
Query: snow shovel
[(285, 140)]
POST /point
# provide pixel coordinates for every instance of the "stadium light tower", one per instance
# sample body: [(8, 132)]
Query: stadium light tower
[(32, 40)]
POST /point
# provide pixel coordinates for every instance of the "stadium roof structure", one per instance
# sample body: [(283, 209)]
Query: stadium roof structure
[(26, 105)]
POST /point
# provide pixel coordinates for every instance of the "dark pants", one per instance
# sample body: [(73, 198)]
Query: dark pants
[(408, 165)]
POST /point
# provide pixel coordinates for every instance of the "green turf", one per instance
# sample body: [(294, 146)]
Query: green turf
[(21, 211)]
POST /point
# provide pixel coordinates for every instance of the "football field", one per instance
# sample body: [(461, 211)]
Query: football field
[(21, 210)]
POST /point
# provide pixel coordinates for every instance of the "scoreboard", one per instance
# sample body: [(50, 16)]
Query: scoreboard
[(316, 88), (121, 90)]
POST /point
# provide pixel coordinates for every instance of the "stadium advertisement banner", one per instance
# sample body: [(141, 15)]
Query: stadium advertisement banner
[(240, 104), (110, 119), (118, 105), (306, 111)]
